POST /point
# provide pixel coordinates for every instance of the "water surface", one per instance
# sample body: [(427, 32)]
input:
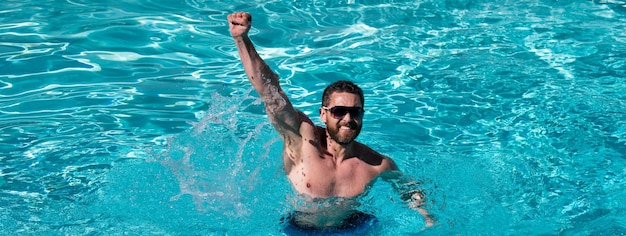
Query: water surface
[(135, 117)]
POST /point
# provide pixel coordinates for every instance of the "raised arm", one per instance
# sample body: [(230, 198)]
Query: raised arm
[(279, 109)]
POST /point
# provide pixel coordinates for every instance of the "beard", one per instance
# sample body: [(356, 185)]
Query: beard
[(343, 139)]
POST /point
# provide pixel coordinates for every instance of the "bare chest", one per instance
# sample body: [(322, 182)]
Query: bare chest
[(322, 177)]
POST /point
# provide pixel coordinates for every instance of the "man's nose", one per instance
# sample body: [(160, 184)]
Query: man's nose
[(347, 117)]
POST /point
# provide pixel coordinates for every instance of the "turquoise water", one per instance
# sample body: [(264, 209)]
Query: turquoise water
[(135, 117)]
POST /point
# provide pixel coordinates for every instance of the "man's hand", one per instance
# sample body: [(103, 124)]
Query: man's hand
[(239, 23), (416, 202)]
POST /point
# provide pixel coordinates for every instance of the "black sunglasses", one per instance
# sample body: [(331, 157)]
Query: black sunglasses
[(340, 111)]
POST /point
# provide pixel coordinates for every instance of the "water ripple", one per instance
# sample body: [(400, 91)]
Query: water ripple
[(524, 94)]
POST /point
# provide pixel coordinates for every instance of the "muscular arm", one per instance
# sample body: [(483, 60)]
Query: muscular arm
[(281, 113)]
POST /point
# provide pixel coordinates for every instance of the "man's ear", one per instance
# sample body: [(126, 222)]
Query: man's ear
[(323, 115)]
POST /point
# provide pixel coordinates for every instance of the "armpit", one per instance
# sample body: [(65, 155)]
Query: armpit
[(304, 118)]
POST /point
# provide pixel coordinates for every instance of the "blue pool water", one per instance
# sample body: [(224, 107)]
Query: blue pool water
[(135, 117)]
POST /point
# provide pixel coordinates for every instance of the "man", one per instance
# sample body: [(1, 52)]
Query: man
[(323, 164)]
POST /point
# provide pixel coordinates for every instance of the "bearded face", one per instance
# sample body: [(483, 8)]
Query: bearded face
[(343, 117), (343, 132)]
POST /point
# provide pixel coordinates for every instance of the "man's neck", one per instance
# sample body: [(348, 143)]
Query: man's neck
[(339, 151)]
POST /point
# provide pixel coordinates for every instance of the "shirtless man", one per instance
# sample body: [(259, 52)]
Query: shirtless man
[(320, 163)]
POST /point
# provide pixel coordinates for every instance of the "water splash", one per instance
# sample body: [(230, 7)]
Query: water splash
[(218, 161)]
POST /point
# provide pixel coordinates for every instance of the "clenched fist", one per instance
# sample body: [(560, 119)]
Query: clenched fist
[(239, 23)]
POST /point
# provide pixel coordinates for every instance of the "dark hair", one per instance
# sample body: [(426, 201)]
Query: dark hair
[(342, 86)]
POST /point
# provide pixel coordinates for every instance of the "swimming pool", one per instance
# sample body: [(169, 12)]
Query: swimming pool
[(135, 117)]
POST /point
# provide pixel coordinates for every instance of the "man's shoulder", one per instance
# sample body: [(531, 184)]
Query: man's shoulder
[(366, 150), (374, 158)]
